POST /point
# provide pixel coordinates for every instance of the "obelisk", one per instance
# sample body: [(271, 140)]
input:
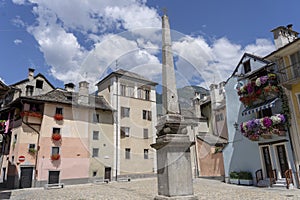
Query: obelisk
[(174, 171)]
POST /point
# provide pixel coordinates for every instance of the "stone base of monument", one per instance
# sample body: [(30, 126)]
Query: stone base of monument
[(191, 197), (174, 171)]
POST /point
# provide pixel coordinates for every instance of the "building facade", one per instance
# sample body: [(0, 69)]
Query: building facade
[(134, 99)]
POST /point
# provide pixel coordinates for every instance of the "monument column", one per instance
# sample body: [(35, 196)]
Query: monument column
[(174, 171)]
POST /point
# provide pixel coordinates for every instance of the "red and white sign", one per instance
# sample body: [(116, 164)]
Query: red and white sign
[(21, 158)]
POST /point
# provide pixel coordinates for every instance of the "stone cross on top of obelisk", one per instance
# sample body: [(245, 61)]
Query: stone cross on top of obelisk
[(169, 93)]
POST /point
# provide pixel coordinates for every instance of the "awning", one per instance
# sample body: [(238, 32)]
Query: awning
[(264, 105)]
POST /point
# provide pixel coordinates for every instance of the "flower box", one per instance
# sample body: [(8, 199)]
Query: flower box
[(234, 181), (55, 157), (31, 114), (246, 182), (267, 136), (58, 117), (56, 136), (32, 150)]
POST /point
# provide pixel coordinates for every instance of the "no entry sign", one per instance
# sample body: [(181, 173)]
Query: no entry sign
[(21, 158)]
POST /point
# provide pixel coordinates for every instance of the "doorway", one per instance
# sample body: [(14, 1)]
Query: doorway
[(53, 177), (281, 153), (267, 160), (107, 173), (26, 177)]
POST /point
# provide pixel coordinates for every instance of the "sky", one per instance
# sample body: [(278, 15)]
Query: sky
[(75, 40)]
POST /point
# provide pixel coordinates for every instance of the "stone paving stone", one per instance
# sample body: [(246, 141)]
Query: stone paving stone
[(143, 189)]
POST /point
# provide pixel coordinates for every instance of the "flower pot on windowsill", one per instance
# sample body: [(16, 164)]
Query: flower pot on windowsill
[(56, 136), (55, 157), (58, 117), (267, 136)]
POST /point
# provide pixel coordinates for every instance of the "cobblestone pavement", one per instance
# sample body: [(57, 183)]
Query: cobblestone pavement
[(147, 189)]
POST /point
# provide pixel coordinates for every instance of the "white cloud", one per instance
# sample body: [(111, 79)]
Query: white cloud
[(17, 41), (81, 45)]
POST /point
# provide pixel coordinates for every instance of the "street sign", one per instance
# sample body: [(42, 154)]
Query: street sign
[(21, 158)]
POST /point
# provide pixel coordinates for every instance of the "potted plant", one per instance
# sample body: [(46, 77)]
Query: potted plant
[(234, 177), (55, 157), (32, 150), (56, 136), (58, 117), (245, 178)]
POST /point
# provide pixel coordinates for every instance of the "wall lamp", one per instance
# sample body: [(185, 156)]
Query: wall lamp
[(236, 126)]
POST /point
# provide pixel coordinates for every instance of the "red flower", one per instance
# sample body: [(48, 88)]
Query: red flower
[(56, 136), (55, 157), (58, 117)]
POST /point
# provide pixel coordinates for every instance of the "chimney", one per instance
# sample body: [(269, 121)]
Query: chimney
[(30, 73), (83, 93), (196, 104), (70, 87), (284, 35)]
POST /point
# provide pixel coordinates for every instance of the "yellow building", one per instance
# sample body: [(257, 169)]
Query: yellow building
[(287, 58), (134, 99)]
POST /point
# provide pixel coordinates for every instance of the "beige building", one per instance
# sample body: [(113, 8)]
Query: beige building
[(134, 99)]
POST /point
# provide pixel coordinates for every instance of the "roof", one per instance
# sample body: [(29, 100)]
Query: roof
[(282, 48), (38, 75), (64, 97), (127, 74), (241, 60), (3, 88), (211, 139)]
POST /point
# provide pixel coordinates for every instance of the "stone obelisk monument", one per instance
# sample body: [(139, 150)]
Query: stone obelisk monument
[(174, 171)]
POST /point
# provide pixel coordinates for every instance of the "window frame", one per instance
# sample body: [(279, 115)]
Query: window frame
[(127, 153), (95, 152), (96, 135), (146, 133), (146, 154), (54, 151), (125, 112), (39, 84)]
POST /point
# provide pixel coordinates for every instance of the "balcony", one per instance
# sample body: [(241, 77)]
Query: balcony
[(32, 117), (289, 75)]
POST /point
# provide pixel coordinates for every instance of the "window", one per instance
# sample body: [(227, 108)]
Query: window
[(127, 153), (146, 153), (147, 95), (146, 136), (31, 146), (125, 131), (94, 173), (125, 112), (29, 90), (130, 91), (56, 130), (39, 84), (147, 115), (95, 152), (265, 112), (298, 99), (59, 111), (123, 90), (96, 118), (55, 150), (95, 135), (140, 93), (247, 67)]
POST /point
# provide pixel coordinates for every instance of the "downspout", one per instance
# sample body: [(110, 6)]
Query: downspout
[(38, 147), (117, 128)]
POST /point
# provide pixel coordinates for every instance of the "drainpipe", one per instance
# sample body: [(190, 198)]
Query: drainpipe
[(117, 128), (38, 147)]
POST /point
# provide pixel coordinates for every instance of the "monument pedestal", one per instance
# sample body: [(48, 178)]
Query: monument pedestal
[(174, 171)]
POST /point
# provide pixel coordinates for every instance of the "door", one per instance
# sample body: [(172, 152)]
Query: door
[(267, 160), (107, 174), (282, 160), (26, 177), (53, 177)]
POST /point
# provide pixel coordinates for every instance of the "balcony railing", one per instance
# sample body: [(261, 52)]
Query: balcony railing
[(289, 74)]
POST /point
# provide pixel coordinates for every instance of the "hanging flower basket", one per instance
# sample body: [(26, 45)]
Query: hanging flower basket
[(56, 136), (55, 157), (58, 117)]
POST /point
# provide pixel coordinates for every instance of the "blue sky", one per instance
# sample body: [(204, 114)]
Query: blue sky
[(69, 41)]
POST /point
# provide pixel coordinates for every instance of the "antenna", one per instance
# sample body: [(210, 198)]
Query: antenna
[(117, 65)]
